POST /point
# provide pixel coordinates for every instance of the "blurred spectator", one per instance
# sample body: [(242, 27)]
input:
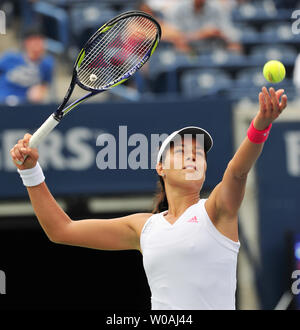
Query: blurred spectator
[(170, 33), (204, 22), (161, 6), (229, 5), (26, 76)]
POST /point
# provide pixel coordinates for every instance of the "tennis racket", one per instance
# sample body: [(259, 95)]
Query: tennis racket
[(112, 55)]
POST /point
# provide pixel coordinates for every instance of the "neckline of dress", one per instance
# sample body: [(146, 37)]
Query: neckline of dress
[(180, 217)]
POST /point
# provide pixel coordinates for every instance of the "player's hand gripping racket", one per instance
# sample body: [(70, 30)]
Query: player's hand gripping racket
[(112, 55)]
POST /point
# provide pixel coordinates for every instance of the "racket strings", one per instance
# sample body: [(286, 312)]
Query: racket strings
[(95, 58), (135, 53), (117, 51), (101, 61), (99, 57), (118, 43)]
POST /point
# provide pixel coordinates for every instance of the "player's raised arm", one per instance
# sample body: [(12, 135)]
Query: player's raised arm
[(227, 197), (113, 234)]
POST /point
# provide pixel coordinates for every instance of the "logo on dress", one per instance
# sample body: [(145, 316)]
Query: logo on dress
[(193, 219)]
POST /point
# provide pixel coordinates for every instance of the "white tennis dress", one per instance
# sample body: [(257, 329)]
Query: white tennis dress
[(190, 264)]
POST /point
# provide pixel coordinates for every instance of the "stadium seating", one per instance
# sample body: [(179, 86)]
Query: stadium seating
[(249, 82), (199, 82), (248, 34), (279, 33), (57, 19), (223, 60), (91, 17), (264, 32), (261, 54), (259, 12)]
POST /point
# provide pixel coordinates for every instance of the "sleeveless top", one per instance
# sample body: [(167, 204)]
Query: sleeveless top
[(189, 264)]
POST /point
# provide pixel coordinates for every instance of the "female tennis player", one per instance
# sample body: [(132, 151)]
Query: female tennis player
[(189, 244)]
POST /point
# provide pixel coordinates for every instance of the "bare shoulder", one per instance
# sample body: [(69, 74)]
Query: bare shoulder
[(136, 221)]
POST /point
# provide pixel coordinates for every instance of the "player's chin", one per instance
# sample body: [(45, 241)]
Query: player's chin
[(193, 175)]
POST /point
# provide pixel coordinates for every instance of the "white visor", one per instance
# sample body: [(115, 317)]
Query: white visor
[(208, 141)]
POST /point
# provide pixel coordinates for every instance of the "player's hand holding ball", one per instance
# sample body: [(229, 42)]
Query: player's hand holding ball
[(20, 150), (271, 105)]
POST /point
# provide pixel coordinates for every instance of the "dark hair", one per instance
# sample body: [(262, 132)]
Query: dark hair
[(33, 31), (161, 201)]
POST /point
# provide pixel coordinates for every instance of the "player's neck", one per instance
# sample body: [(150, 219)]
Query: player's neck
[(179, 201)]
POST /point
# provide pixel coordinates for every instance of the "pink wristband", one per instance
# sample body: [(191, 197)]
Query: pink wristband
[(256, 136)]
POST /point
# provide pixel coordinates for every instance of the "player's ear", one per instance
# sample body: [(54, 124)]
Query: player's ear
[(159, 169)]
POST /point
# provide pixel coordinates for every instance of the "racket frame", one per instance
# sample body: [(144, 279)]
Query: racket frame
[(56, 117), (62, 110)]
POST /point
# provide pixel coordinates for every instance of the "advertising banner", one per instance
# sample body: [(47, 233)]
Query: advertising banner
[(110, 148)]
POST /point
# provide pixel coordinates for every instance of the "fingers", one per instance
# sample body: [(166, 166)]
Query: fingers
[(262, 102), (17, 158), (26, 139), (21, 150), (272, 101), (278, 93), (18, 153), (268, 102), (283, 103)]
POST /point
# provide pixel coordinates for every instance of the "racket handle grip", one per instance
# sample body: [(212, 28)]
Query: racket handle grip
[(43, 131)]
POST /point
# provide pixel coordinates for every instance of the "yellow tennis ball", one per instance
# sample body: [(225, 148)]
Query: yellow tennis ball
[(274, 71)]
